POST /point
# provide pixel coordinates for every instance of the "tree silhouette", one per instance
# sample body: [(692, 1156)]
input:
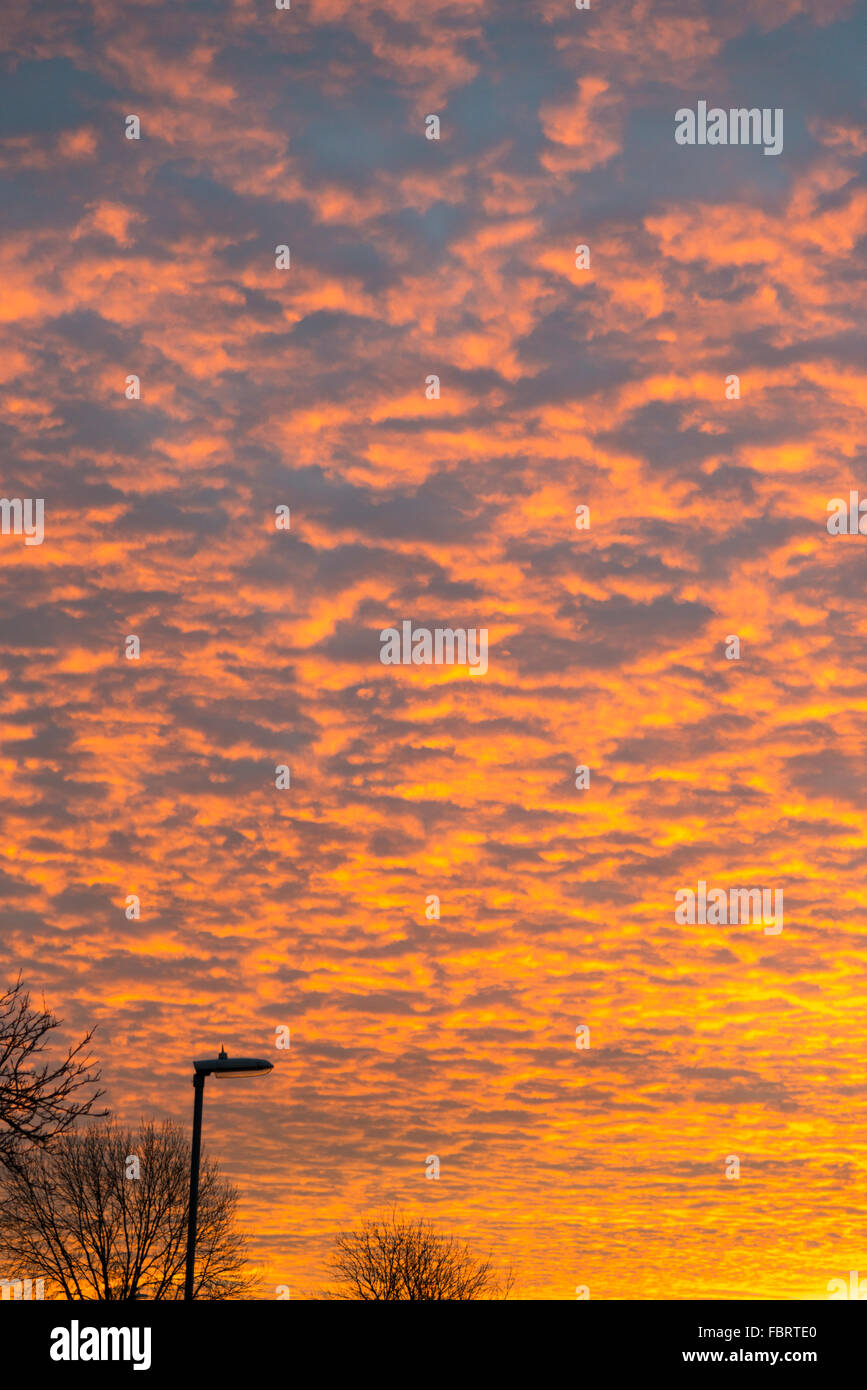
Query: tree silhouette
[(77, 1214), (396, 1258), (38, 1100)]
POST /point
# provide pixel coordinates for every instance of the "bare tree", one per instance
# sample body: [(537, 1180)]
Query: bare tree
[(38, 1100), (395, 1258), (103, 1214)]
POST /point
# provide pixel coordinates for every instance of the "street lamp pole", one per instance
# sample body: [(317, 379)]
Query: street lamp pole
[(220, 1066), (199, 1088)]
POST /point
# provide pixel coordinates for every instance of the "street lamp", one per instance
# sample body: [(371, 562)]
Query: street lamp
[(219, 1066)]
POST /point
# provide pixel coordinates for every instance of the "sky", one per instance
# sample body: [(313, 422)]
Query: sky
[(607, 386)]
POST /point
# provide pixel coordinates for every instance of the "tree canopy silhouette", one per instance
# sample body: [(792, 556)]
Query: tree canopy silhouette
[(394, 1258), (102, 1214)]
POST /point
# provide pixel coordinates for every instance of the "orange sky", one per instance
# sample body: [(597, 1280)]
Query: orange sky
[(560, 387)]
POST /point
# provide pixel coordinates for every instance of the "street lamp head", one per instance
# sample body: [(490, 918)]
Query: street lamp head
[(232, 1066)]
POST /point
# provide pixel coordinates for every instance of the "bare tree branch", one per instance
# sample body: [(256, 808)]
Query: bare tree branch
[(38, 1100)]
